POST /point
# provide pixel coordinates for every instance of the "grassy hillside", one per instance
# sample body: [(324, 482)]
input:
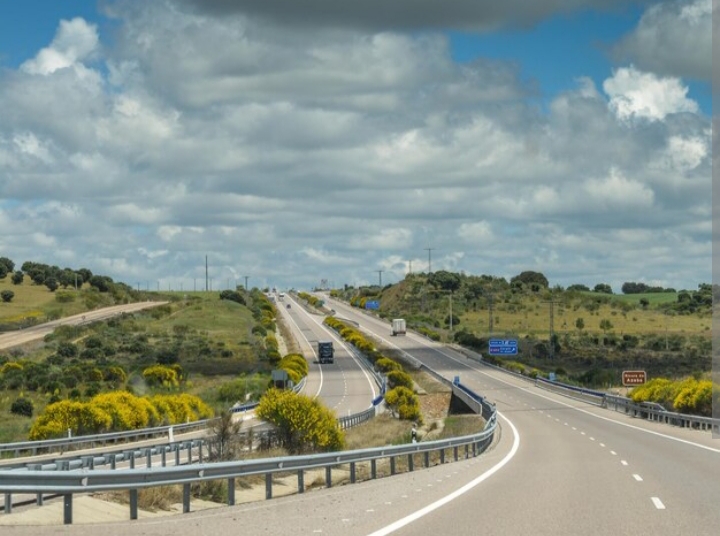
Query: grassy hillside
[(218, 347), (595, 335)]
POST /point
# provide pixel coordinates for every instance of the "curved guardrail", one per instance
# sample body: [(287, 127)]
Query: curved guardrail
[(69, 482)]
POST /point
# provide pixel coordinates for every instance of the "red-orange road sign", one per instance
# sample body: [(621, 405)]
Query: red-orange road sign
[(633, 377)]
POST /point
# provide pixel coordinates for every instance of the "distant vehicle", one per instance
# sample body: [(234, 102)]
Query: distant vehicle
[(326, 352), (398, 326), (288, 306)]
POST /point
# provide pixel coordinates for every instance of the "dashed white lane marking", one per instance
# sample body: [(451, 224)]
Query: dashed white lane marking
[(602, 444), (637, 477), (582, 433), (623, 462), (613, 453), (658, 503), (369, 510), (592, 438)]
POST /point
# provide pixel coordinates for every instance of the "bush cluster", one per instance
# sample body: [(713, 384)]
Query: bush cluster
[(399, 381), (689, 395), (295, 365), (116, 411), (303, 423)]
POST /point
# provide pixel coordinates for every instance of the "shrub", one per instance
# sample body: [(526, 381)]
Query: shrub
[(383, 364), (7, 295), (160, 375), (22, 406), (303, 423), (403, 402), (399, 378)]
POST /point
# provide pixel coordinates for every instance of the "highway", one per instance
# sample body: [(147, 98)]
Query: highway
[(344, 386), (560, 467)]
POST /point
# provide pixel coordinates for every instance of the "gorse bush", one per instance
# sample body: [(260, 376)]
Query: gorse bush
[(688, 395), (303, 423), (116, 411)]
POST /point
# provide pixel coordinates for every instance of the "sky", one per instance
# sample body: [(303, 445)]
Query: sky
[(296, 143)]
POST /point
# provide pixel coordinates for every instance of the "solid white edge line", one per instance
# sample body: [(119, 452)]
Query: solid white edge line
[(457, 493)]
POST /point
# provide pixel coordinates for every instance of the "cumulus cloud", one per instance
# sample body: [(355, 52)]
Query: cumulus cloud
[(74, 42), (637, 94), (672, 39), (398, 14), (297, 155)]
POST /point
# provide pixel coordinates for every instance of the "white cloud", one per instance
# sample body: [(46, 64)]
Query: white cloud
[(672, 39), (74, 42), (636, 94), (296, 155)]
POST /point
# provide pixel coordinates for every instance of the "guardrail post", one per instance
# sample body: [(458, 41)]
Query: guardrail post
[(474, 449), (163, 457), (268, 486), (148, 458), (442, 456), (411, 462), (392, 465), (231, 491), (200, 453), (301, 481), (352, 472), (328, 476), (177, 455), (132, 459), (455, 451), (373, 469), (427, 459), (186, 498), (189, 449), (133, 504), (67, 509), (113, 462), (39, 499), (8, 503), (467, 452)]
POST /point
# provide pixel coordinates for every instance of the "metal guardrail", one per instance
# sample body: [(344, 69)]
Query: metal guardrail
[(67, 483), (609, 401), (33, 448), (91, 441)]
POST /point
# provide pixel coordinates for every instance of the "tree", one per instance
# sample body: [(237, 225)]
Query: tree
[(8, 264), (224, 445), (644, 303), (603, 288), (579, 287), (3, 271), (580, 324), (445, 280), (605, 325), (535, 281), (18, 277), (7, 296), (51, 283)]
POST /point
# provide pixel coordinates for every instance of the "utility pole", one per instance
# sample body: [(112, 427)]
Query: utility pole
[(380, 277), (410, 267), (246, 282), (490, 312), (551, 345), (206, 274), (429, 250), (451, 318)]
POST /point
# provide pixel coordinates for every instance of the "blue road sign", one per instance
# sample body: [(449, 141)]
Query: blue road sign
[(503, 346), (372, 304)]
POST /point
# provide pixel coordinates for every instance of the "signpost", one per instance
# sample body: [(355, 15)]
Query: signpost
[(503, 346), (633, 377)]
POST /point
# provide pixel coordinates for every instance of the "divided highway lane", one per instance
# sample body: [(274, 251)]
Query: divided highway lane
[(579, 469), (345, 386)]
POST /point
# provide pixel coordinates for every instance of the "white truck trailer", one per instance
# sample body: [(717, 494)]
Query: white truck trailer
[(398, 326)]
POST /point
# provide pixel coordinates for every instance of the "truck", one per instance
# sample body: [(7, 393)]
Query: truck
[(326, 352), (398, 326)]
